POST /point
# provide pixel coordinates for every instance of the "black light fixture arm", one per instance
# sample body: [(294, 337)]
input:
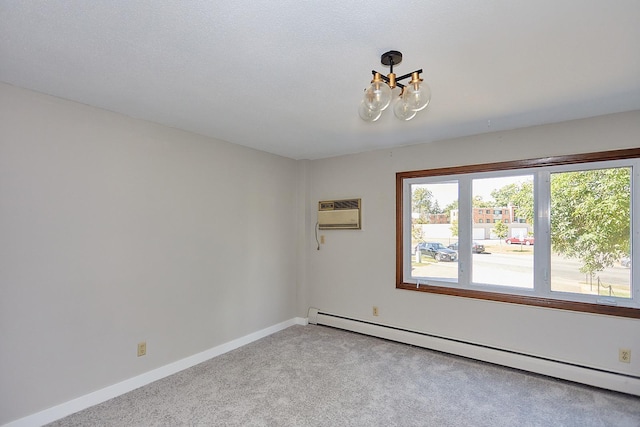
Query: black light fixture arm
[(405, 76)]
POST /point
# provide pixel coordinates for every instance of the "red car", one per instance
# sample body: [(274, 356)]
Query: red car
[(520, 241)]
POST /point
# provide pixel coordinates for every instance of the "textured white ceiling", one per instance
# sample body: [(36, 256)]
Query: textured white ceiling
[(287, 76)]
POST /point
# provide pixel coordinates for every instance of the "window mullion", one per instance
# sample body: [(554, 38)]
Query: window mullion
[(465, 231), (542, 231)]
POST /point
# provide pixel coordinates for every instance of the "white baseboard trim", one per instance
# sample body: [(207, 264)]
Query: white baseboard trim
[(553, 368), (60, 411)]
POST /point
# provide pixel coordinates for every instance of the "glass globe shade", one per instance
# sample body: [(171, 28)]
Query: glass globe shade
[(417, 96), (377, 96), (402, 111), (367, 114)]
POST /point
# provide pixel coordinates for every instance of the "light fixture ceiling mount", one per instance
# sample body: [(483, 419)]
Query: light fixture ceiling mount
[(391, 58), (414, 95)]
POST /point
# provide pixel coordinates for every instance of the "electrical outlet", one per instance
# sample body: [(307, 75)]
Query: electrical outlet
[(142, 348), (375, 310), (624, 355), (322, 239)]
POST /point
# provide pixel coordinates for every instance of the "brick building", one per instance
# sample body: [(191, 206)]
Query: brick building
[(492, 215)]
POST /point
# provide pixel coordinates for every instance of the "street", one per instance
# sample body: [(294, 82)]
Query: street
[(516, 270)]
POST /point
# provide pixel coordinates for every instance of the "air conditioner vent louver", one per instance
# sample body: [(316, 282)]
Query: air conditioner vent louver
[(347, 204), (339, 214)]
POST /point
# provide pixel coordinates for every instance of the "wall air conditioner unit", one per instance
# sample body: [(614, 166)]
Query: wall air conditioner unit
[(339, 214)]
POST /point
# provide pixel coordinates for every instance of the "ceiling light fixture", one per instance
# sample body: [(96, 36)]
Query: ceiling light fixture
[(414, 96)]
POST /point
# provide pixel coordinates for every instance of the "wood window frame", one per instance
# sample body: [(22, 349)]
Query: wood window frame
[(632, 153)]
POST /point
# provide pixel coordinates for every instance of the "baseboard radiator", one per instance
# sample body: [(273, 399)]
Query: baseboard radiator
[(568, 371)]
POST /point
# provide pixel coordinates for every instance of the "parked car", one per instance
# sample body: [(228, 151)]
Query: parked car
[(626, 262), (520, 241), (437, 251), (476, 248)]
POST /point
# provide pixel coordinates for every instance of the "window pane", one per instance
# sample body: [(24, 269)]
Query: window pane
[(591, 232), (434, 227), (503, 243)]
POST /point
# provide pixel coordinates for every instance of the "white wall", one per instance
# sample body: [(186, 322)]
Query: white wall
[(355, 270), (114, 231)]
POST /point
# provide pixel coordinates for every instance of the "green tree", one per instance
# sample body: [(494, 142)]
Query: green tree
[(477, 202), (501, 229), (417, 233), (504, 196), (450, 207), (435, 208), (421, 203), (519, 195), (590, 216), (454, 228)]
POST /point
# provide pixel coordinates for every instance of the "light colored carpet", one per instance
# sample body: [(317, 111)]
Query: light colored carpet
[(319, 376)]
